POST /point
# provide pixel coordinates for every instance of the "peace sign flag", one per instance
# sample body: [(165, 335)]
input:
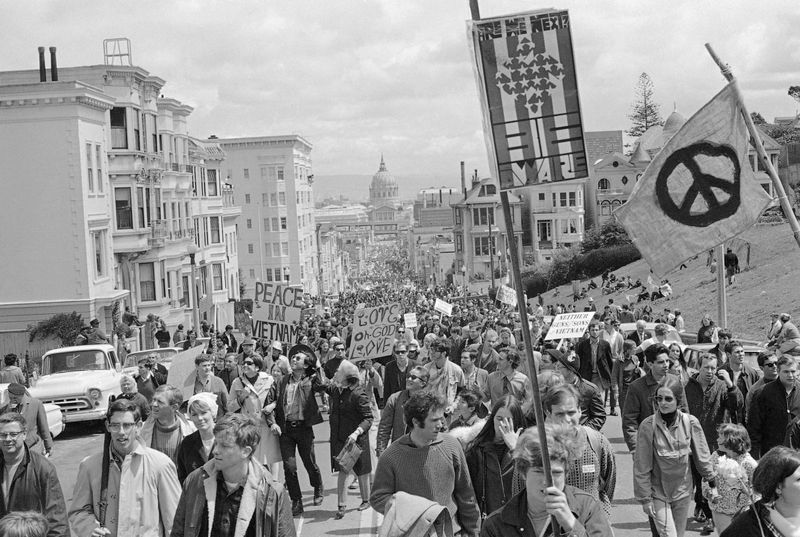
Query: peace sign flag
[(698, 192)]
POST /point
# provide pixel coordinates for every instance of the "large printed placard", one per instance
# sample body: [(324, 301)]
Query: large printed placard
[(525, 71), (277, 310), (374, 331), (569, 325), (443, 307), (507, 295)]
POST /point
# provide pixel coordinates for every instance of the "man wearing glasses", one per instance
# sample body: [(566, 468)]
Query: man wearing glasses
[(330, 367), (142, 491), (768, 363), (396, 371), (392, 425), (28, 481)]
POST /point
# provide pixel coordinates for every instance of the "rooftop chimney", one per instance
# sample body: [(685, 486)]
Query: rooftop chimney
[(42, 68), (463, 178), (475, 179), (53, 65)]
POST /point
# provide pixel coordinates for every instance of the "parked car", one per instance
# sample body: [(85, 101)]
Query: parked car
[(692, 354), (672, 334), (79, 380), (163, 356), (56, 420)]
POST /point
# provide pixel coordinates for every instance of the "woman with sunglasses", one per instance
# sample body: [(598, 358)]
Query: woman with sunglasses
[(254, 394), (662, 478)]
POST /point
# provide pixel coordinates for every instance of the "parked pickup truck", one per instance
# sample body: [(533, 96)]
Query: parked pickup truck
[(79, 380)]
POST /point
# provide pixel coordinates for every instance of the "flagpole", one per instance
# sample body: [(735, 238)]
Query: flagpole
[(773, 175), (526, 331)]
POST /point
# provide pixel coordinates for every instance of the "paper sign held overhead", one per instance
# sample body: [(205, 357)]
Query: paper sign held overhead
[(569, 325), (525, 70), (507, 295), (374, 331), (410, 320), (443, 307), (277, 310)]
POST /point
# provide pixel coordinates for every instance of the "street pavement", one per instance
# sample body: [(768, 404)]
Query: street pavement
[(81, 440)]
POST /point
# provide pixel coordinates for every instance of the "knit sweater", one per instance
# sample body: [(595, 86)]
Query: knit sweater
[(437, 472)]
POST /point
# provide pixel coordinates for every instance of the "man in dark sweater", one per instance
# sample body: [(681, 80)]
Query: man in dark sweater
[(441, 474), (394, 374), (774, 408)]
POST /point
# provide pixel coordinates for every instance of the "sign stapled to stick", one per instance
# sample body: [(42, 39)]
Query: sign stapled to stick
[(569, 325), (277, 310), (525, 69), (374, 331), (507, 295), (443, 307), (410, 320)]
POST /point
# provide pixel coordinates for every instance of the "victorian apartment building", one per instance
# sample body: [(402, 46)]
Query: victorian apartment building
[(111, 196)]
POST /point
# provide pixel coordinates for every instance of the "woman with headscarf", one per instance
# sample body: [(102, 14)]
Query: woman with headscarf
[(254, 394), (197, 448), (350, 421)]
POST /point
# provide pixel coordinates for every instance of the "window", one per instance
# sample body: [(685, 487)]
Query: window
[(246, 173), (273, 199), (143, 206), (185, 291), (164, 277), (212, 188), (541, 196), (274, 223), (562, 198), (482, 245), (137, 133), (119, 129), (98, 153), (572, 199), (603, 184), (264, 199), (483, 216), (459, 243), (89, 167), (252, 273), (280, 176), (204, 280), (250, 248), (269, 274), (147, 282), (281, 198), (122, 203), (247, 198), (99, 242), (268, 249), (249, 224), (266, 224), (605, 208), (457, 216), (284, 248), (216, 274), (283, 222), (286, 275)]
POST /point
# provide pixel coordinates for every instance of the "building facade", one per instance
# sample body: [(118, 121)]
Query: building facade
[(272, 179), (557, 215)]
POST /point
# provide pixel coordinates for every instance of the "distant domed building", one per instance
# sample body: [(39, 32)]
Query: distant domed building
[(656, 137), (383, 190)]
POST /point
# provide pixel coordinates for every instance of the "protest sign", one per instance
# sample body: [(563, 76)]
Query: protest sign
[(443, 307), (277, 310), (569, 325), (374, 331), (410, 320), (182, 368), (507, 295)]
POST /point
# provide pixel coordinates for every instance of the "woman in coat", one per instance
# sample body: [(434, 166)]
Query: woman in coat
[(254, 394), (662, 478), (197, 448), (350, 421), (489, 457)]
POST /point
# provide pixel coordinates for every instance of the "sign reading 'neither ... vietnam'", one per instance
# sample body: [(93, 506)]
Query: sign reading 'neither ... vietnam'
[(277, 310), (569, 325), (525, 71), (374, 331)]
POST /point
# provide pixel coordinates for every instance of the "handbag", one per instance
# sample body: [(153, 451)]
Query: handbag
[(348, 456)]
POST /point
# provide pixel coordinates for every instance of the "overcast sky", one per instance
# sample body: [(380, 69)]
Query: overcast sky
[(358, 78)]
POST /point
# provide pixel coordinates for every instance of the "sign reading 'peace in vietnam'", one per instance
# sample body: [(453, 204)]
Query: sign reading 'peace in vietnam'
[(700, 184)]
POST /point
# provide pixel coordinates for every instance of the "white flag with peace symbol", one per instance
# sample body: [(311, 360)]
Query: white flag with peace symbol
[(698, 192)]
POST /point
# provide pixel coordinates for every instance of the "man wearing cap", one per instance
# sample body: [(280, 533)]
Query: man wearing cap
[(228, 338), (37, 437), (276, 355), (95, 335), (248, 350), (593, 413)]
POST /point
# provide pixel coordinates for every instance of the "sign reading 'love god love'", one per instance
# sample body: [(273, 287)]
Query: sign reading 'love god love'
[(374, 331)]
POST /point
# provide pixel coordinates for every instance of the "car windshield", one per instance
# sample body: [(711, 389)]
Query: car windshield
[(163, 356), (63, 362)]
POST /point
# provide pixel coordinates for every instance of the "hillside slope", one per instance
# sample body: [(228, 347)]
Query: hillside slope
[(771, 284)]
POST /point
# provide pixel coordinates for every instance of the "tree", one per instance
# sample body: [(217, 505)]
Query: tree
[(64, 326), (794, 92), (757, 118), (645, 111)]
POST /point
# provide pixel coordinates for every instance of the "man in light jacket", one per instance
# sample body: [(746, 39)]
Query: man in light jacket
[(142, 492)]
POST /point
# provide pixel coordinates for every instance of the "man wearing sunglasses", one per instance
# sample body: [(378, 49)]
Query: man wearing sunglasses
[(768, 363), (392, 425), (396, 370)]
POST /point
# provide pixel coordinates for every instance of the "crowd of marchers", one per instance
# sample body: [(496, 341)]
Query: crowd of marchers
[(457, 450)]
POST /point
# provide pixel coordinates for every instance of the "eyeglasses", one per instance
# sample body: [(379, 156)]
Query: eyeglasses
[(414, 377), (664, 398), (339, 349), (249, 362), (10, 436), (770, 364), (402, 352), (117, 427)]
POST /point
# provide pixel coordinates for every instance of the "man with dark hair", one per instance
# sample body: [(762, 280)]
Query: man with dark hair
[(444, 377), (166, 427), (392, 425), (641, 393), (440, 472), (596, 358), (395, 372), (149, 378), (244, 495), (742, 375), (37, 436), (774, 408), (724, 337), (228, 338), (507, 380), (28, 481), (768, 363), (202, 379), (142, 488), (593, 413), (11, 372)]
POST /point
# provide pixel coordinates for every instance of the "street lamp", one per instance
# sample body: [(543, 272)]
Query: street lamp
[(464, 270), (192, 250)]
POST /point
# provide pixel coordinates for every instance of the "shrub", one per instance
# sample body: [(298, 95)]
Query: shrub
[(64, 326)]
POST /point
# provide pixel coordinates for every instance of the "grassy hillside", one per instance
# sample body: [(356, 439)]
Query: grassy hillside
[(771, 284)]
